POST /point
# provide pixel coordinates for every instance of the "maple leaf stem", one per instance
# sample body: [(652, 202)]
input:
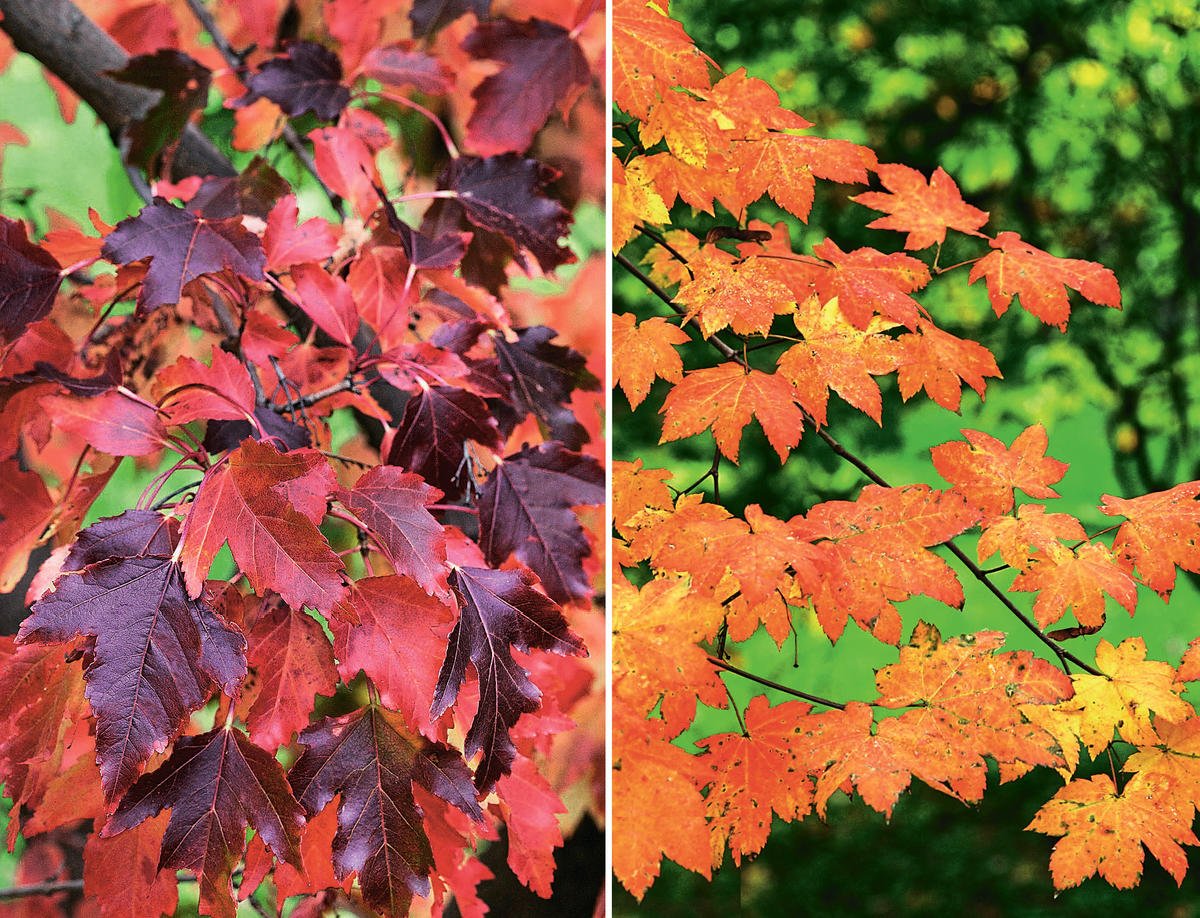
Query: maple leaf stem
[(163, 501), (961, 264), (451, 148), (815, 699), (736, 713)]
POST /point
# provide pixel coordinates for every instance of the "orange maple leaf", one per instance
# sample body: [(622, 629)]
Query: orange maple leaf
[(836, 355), (1077, 581), (986, 472), (1032, 527), (635, 489), (642, 351), (1104, 831), (1161, 531), (656, 803), (1122, 697), (725, 398), (786, 167), (924, 211), (865, 282), (651, 54), (742, 295), (874, 553), (752, 775), (1175, 754), (656, 652), (939, 363), (634, 200), (1041, 280)]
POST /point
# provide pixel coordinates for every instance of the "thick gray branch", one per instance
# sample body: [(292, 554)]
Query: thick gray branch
[(79, 52)]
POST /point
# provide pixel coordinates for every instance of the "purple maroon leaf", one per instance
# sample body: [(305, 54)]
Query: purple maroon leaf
[(157, 654), (432, 435), (429, 16), (29, 280), (399, 66), (525, 511), (500, 610), (507, 195), (215, 785), (308, 78), (543, 377), (182, 246), (132, 534), (183, 83), (543, 66), (372, 760)]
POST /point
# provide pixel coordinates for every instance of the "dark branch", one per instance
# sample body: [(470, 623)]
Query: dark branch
[(79, 53), (40, 889), (779, 687)]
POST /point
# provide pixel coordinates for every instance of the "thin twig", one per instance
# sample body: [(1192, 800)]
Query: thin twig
[(40, 889), (730, 354), (779, 687)]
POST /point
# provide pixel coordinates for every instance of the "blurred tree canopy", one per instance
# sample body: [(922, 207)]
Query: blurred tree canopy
[(1074, 123)]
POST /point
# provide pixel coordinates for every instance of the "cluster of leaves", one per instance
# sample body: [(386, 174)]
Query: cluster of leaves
[(783, 330), (346, 610)]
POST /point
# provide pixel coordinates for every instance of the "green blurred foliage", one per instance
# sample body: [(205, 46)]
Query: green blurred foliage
[(1074, 124)]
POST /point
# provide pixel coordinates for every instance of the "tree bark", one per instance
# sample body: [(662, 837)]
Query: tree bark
[(79, 52)]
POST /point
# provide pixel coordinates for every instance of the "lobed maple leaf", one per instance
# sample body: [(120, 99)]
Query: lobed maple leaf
[(193, 391), (753, 777), (874, 553), (1077, 581), (525, 511), (1161, 532), (292, 662), (544, 376), (307, 78), (215, 785), (266, 505), (657, 807), (328, 301), (530, 809), (865, 283), (432, 435), (836, 355), (923, 210), (939, 363), (183, 86), (122, 872), (642, 351), (786, 167), (542, 67), (1175, 755), (656, 657), (1104, 830), (286, 244), (392, 504), (1041, 280), (29, 280), (27, 510), (651, 55), (157, 654), (986, 472), (371, 760), (634, 199), (398, 640), (499, 610), (744, 296), (1031, 528), (725, 398), (116, 422), (507, 195)]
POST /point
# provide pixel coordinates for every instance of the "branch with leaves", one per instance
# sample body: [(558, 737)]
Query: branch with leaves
[(786, 329)]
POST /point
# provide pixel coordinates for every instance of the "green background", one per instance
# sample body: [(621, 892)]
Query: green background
[(1075, 125)]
